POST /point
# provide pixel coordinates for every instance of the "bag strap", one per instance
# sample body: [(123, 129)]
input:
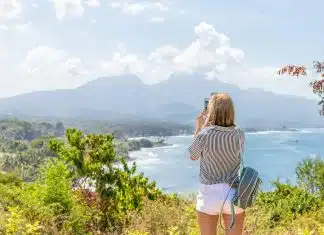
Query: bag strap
[(241, 150), (241, 155), (236, 197), (232, 209)]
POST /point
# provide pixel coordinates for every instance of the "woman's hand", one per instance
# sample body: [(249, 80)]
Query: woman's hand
[(200, 121)]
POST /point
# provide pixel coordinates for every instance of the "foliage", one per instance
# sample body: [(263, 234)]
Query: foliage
[(170, 214), (25, 157), (13, 129), (145, 143), (48, 205), (286, 202), (291, 209), (310, 175), (124, 147), (317, 85), (17, 130), (91, 162), (57, 186), (10, 191), (134, 145), (17, 224), (85, 188), (23, 146), (131, 128)]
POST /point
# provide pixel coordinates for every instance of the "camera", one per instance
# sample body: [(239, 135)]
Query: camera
[(206, 100)]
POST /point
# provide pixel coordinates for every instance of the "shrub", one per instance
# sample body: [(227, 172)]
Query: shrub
[(57, 187), (310, 175), (91, 161), (286, 202), (145, 143), (16, 223), (87, 189)]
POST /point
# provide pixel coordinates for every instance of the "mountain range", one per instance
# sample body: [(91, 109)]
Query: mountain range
[(178, 99)]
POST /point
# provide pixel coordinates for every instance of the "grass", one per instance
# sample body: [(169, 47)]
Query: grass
[(178, 217)]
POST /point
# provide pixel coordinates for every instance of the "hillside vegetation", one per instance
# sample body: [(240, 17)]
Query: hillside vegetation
[(78, 189), (24, 145)]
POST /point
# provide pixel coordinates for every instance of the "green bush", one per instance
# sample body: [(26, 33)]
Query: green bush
[(286, 202), (134, 145), (118, 190), (310, 175), (145, 143), (46, 205), (57, 187), (88, 189)]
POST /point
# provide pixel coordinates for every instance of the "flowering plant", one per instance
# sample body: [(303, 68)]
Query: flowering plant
[(317, 85)]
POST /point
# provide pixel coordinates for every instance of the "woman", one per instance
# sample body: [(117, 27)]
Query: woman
[(216, 144)]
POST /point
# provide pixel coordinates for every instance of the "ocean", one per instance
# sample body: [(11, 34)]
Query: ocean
[(275, 154)]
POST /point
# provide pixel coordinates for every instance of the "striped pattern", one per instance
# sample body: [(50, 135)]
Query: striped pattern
[(219, 152)]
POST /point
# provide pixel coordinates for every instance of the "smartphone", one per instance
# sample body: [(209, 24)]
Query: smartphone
[(206, 101)]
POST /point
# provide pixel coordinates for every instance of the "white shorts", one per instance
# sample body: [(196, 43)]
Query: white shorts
[(210, 198)]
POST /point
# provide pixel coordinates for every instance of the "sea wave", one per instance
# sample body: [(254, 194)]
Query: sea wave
[(149, 162), (266, 132), (142, 153), (183, 136), (164, 147), (297, 130), (310, 130), (292, 130)]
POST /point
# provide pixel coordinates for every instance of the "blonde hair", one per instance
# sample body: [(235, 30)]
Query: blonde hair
[(220, 110)]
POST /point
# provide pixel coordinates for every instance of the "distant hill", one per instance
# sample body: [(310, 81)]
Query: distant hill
[(177, 99)]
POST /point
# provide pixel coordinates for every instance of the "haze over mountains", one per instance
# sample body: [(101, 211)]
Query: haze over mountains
[(177, 99)]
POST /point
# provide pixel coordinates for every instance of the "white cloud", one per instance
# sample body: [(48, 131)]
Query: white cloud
[(68, 7), (43, 68), (92, 3), (49, 65), (210, 52), (18, 27), (268, 79), (129, 8), (136, 7), (73, 8), (3, 27), (161, 6), (10, 9), (157, 20), (23, 27), (35, 5)]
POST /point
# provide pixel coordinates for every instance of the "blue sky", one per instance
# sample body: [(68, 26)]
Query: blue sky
[(54, 44)]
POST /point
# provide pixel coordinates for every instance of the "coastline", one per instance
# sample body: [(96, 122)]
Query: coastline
[(248, 131)]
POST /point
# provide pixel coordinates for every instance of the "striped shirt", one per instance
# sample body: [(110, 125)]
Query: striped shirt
[(219, 151)]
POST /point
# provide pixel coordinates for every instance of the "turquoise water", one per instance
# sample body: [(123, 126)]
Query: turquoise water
[(274, 154)]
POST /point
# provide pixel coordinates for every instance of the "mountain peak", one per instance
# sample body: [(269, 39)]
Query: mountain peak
[(178, 98), (119, 81), (187, 77)]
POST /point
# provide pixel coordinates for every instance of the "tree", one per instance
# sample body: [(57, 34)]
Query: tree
[(59, 129), (115, 190), (25, 157), (317, 85), (310, 175)]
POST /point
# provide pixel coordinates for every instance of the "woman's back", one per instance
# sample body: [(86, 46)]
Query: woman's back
[(218, 149), (217, 144)]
